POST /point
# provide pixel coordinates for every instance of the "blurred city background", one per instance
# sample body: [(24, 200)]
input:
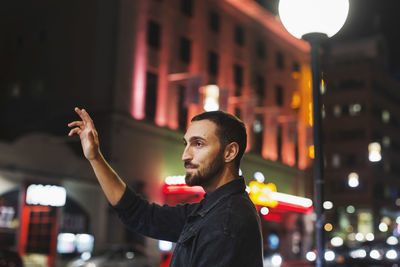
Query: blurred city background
[(142, 69)]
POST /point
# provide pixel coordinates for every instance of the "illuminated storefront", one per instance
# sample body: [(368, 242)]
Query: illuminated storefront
[(42, 223)]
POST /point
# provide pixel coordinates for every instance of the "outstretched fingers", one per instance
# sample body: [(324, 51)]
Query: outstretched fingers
[(84, 116), (76, 123), (86, 124), (76, 130)]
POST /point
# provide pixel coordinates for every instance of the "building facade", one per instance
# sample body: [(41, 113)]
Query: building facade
[(361, 132)]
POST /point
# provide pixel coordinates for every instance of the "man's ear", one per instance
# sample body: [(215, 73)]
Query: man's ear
[(231, 151)]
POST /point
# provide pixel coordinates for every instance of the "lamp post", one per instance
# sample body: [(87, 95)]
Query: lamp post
[(315, 21)]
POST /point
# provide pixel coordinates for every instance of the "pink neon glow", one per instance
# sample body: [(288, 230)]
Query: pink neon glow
[(162, 92), (269, 150), (139, 76), (173, 121), (288, 156), (161, 114)]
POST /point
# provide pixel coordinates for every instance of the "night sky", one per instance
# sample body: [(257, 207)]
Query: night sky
[(368, 17)]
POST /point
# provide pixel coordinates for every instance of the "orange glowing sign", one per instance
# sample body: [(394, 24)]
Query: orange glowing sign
[(310, 115), (311, 152), (296, 100), (260, 193)]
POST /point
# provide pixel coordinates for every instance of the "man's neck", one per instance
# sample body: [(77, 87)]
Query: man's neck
[(225, 177)]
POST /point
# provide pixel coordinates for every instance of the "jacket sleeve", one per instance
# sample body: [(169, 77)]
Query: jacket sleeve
[(152, 220)]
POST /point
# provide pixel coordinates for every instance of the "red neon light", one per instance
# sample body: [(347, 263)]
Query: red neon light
[(181, 188), (293, 207), (53, 241), (23, 238), (272, 216)]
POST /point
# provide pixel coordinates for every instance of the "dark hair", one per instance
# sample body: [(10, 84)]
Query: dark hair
[(229, 129)]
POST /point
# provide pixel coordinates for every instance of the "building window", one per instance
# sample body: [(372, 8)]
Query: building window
[(351, 84), (347, 135), (238, 79), (213, 22), (296, 67), (258, 133), (395, 169), (385, 116), (238, 112), (323, 112), (280, 61), (239, 35), (260, 89), (185, 50), (14, 90), (335, 160), (337, 111), (187, 7), (386, 141), (355, 109), (151, 95), (260, 49), (212, 63), (279, 95), (351, 160), (182, 109), (153, 35), (395, 145), (279, 142), (260, 86)]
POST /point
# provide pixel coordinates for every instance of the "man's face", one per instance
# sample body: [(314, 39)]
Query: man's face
[(203, 156)]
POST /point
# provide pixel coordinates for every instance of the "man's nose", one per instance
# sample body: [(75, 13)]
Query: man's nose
[(187, 154)]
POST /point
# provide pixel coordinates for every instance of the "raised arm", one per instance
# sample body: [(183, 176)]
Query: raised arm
[(112, 185)]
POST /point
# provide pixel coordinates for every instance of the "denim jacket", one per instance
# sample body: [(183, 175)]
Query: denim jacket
[(223, 229)]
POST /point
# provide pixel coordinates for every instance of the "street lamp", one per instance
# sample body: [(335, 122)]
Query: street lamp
[(315, 21)]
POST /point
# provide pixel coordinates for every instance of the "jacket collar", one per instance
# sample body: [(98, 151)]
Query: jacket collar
[(212, 199)]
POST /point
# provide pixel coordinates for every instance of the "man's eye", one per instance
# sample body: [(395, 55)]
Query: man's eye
[(199, 144)]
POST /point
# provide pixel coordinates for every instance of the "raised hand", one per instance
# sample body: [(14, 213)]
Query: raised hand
[(87, 133)]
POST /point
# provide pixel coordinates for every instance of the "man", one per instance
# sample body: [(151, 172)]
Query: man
[(224, 228)]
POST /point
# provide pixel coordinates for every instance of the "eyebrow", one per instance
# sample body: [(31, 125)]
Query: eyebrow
[(194, 138)]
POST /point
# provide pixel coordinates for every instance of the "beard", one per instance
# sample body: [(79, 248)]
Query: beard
[(207, 174)]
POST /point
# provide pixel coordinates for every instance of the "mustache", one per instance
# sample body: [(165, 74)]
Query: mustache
[(189, 165)]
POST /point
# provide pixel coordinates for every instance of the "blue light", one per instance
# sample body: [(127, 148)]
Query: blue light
[(273, 241)]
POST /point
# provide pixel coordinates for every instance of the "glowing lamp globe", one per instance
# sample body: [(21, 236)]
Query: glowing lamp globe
[(302, 17)]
